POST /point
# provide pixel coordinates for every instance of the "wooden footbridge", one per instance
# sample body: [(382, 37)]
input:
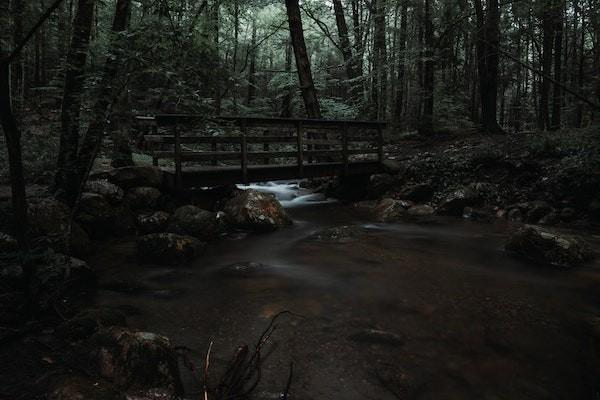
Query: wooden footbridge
[(256, 149)]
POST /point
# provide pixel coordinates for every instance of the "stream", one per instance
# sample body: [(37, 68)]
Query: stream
[(423, 309)]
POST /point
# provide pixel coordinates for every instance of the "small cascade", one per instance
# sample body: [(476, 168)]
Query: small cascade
[(290, 193)]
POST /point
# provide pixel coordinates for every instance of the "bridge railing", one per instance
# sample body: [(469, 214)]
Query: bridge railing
[(297, 141)]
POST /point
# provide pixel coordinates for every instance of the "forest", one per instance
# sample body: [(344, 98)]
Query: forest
[(311, 199)]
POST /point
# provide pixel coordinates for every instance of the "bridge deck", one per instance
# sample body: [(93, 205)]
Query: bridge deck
[(232, 174)]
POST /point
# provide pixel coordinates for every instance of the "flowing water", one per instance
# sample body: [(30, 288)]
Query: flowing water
[(430, 309)]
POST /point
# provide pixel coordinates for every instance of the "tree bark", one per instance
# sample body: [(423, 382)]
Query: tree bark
[(379, 61), (558, 38), (345, 46), (402, 57), (286, 104), (66, 180), (307, 86), (426, 127), (548, 38), (252, 67)]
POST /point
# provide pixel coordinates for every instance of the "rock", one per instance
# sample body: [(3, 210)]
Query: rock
[(243, 270), (390, 210), (60, 279), (419, 193), (168, 248), (549, 219), (567, 214), (456, 201), (89, 321), (382, 183), (8, 243), (135, 360), (420, 210), (134, 176), (194, 221), (109, 191), (537, 210), (50, 218), (515, 215), (155, 222), (256, 211), (476, 214), (338, 234), (73, 387), (391, 166), (143, 197), (546, 247)]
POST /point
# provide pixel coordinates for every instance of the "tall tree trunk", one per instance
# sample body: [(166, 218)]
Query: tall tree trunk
[(17, 66), (379, 60), (307, 86), (488, 38), (548, 38), (107, 93), (345, 46), (216, 61), (286, 105), (426, 127), (252, 68), (402, 58), (66, 182), (558, 38)]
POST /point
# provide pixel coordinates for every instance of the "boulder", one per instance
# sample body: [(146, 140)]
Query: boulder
[(382, 183), (537, 210), (60, 279), (168, 248), (111, 192), (155, 222), (134, 176), (89, 321), (420, 210), (135, 360), (253, 210), (143, 197), (419, 192), (567, 214), (392, 166), (455, 203), (74, 387), (390, 210), (8, 243), (194, 221), (515, 215), (50, 218), (545, 247)]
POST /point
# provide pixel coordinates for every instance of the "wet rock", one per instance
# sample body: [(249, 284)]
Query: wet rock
[(89, 321), (155, 222), (96, 214), (50, 218), (194, 221), (73, 387), (168, 248), (419, 193), (515, 215), (134, 176), (390, 210), (8, 243), (549, 219), (550, 248), (111, 192), (61, 279), (476, 214), (391, 166), (143, 197), (382, 183), (135, 360), (338, 234), (456, 201), (377, 337), (537, 210), (420, 210), (243, 269), (256, 211)]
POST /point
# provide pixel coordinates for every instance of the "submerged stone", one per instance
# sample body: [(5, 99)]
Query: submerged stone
[(253, 210), (168, 248)]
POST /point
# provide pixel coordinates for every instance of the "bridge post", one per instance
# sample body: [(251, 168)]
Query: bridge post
[(345, 146), (244, 150), (300, 143), (178, 177)]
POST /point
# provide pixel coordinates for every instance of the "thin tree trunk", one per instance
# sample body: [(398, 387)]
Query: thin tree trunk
[(548, 37), (346, 48), (286, 105), (307, 86), (66, 169), (401, 62), (557, 94), (426, 127), (252, 68)]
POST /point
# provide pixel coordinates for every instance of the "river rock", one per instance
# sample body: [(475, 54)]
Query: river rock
[(253, 210), (89, 321), (50, 218), (338, 234), (143, 197), (420, 210), (546, 247), (168, 248), (194, 221), (417, 192), (58, 279), (8, 243), (73, 387), (135, 360), (111, 192), (155, 222), (455, 202), (390, 210), (515, 215), (537, 210), (134, 176)]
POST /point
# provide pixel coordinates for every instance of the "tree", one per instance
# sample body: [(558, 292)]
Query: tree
[(426, 127), (307, 85)]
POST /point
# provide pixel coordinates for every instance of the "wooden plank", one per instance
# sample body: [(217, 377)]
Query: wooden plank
[(167, 139), (200, 156)]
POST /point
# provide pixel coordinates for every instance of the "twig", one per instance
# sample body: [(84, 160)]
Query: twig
[(286, 392), (206, 367)]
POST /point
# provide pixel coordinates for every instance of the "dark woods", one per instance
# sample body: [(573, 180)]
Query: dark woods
[(434, 66)]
